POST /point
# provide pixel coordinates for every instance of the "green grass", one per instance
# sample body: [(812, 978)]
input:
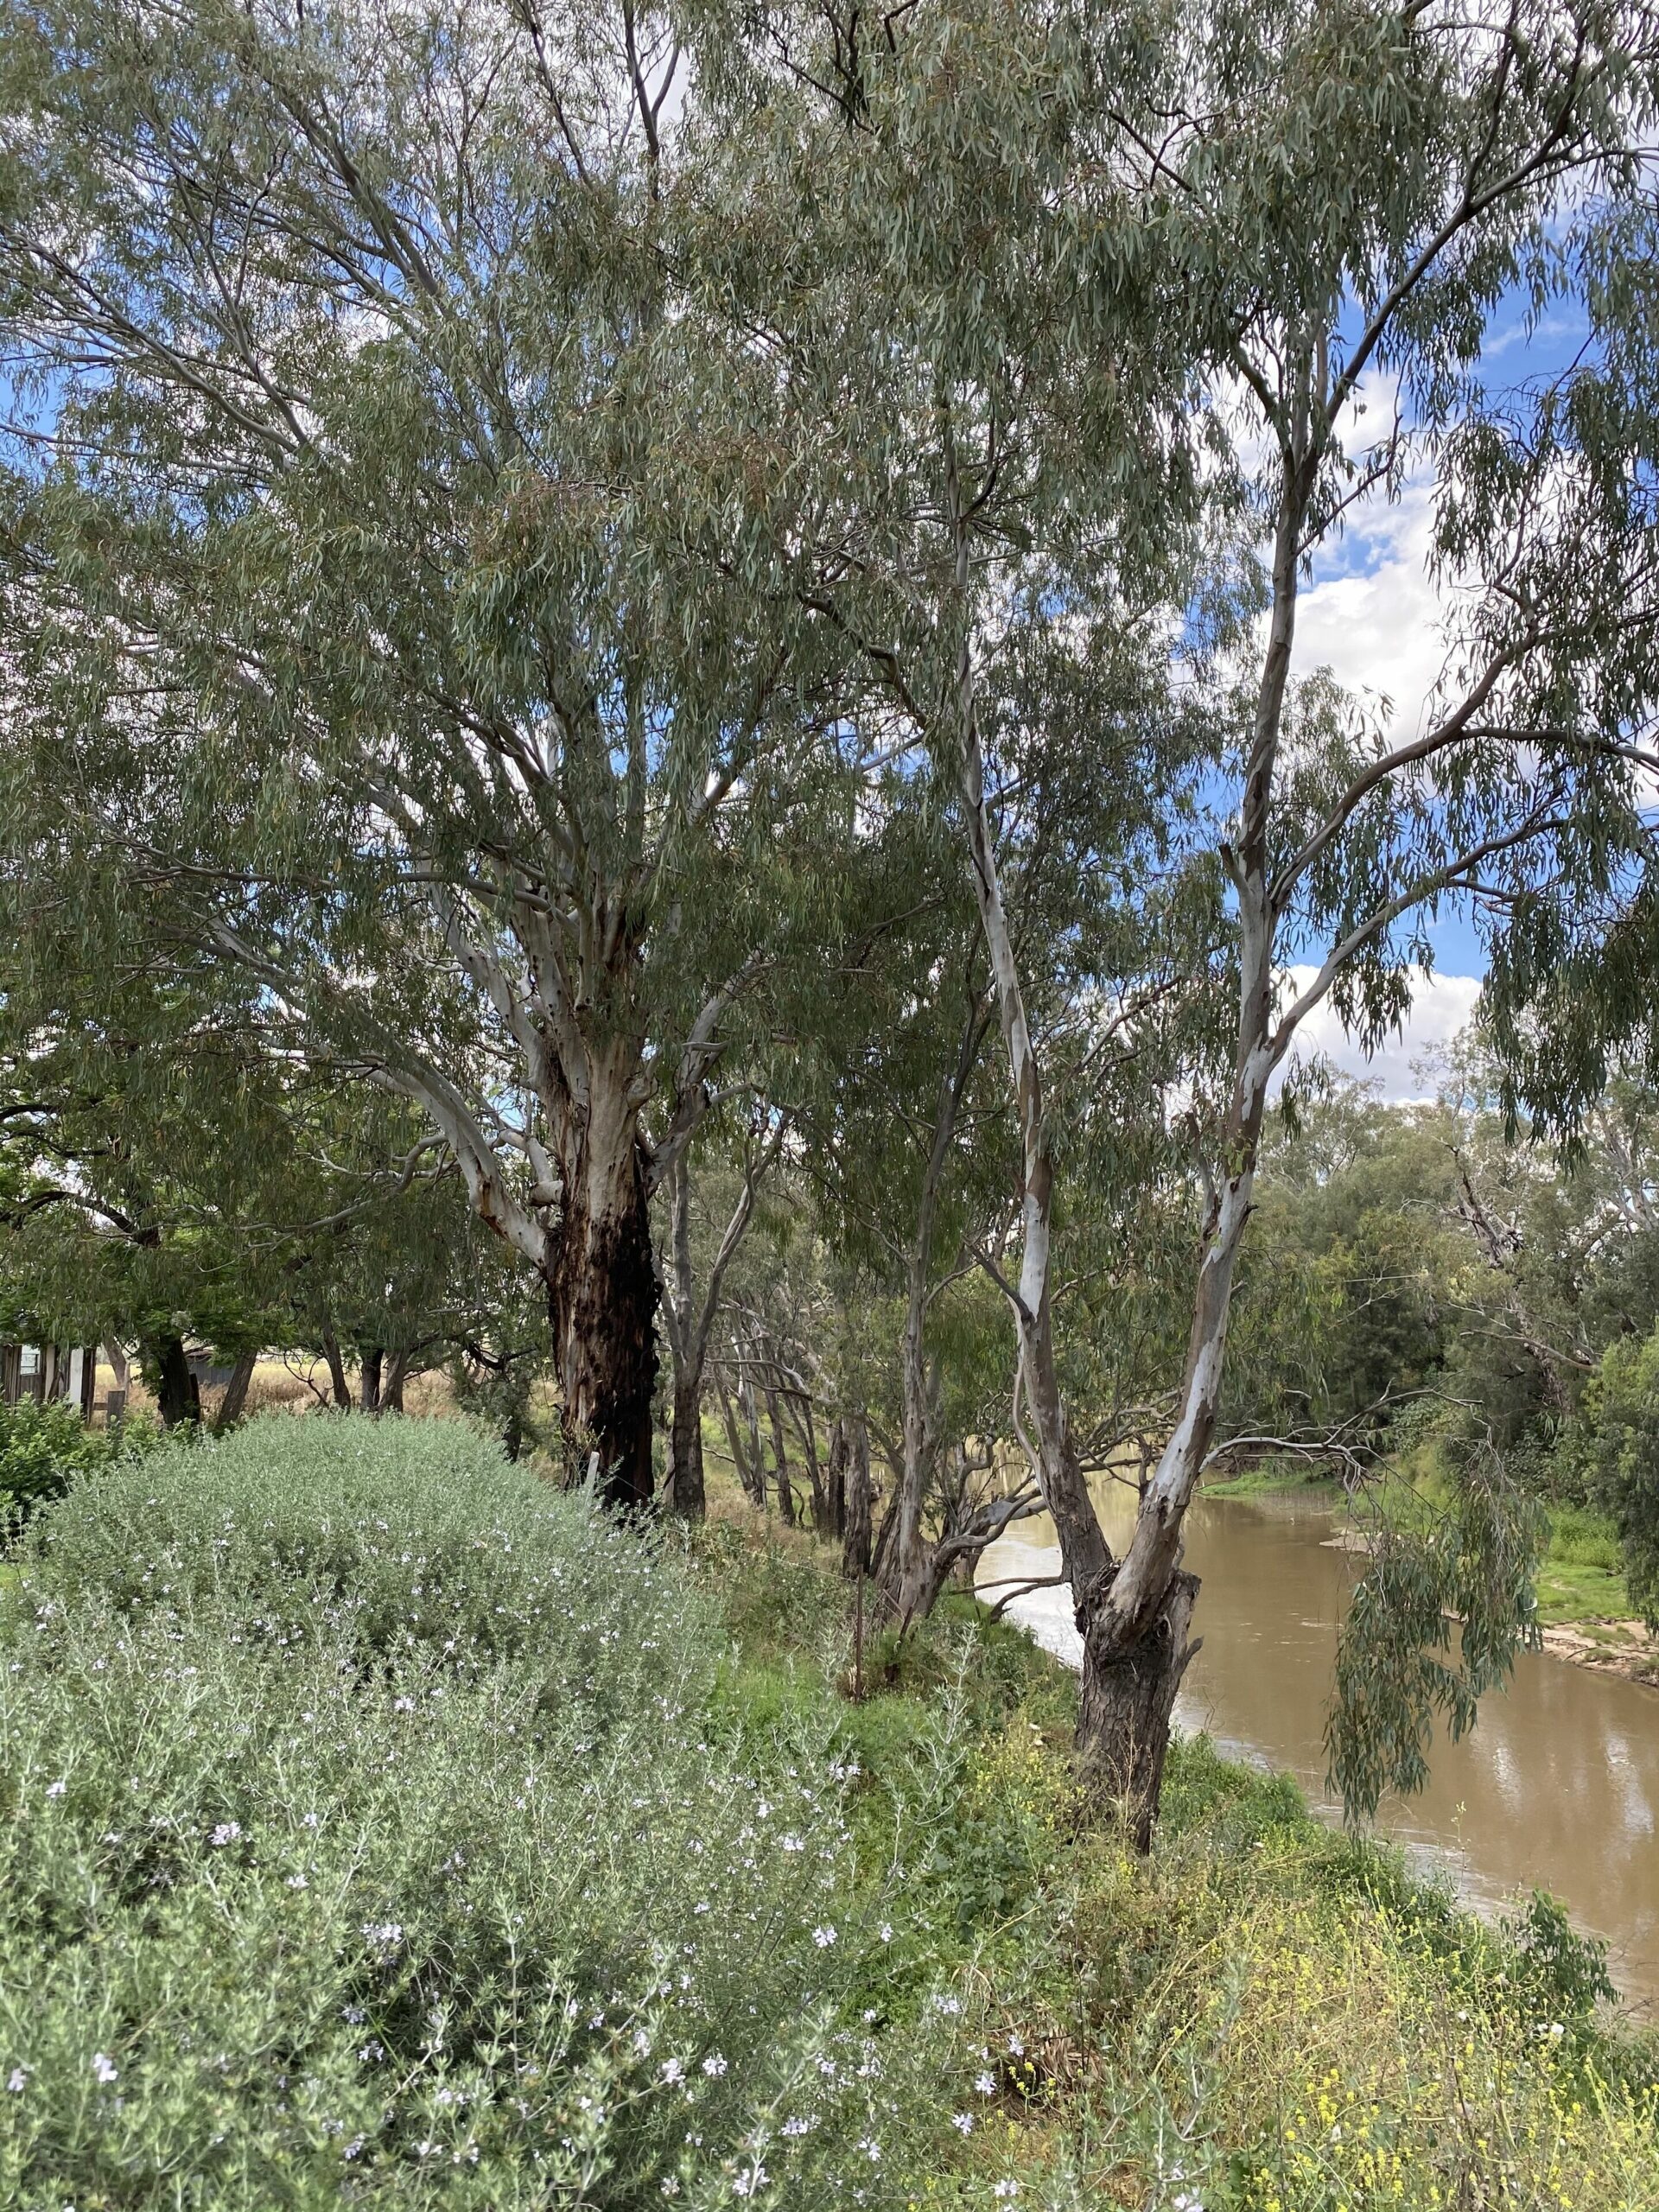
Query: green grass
[(1273, 1478)]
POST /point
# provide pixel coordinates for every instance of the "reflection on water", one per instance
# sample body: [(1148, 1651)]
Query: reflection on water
[(1557, 1786)]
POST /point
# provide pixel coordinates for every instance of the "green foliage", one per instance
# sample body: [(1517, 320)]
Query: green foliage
[(1564, 1973), (44, 1447), (366, 1840), (1618, 1453), (1435, 1621)]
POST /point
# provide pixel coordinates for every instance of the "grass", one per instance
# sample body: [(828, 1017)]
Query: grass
[(1274, 1477)]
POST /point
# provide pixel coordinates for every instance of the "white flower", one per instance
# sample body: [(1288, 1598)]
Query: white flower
[(226, 1832), (885, 1931), (385, 1935), (56, 1788), (986, 2084), (298, 1882), (792, 1842), (1016, 2046), (796, 2125), (403, 1704), (746, 2184), (871, 2149), (673, 2069), (17, 2079), (714, 2066), (1186, 2202), (824, 1937), (1006, 2189), (962, 2122), (103, 2067)]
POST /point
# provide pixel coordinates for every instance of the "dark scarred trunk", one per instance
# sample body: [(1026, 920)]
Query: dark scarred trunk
[(602, 1302), (178, 1395), (1126, 1700), (369, 1379)]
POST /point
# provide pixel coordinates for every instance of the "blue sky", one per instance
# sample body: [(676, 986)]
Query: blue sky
[(1371, 614)]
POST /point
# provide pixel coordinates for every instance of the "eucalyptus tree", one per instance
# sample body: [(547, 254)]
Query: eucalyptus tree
[(397, 579), (163, 1176), (1104, 278)]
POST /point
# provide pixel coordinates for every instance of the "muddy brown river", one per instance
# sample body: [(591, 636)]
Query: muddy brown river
[(1557, 1787)]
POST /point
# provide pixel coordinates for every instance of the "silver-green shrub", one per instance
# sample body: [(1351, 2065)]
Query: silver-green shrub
[(364, 1841)]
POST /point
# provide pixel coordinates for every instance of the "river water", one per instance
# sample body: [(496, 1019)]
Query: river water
[(1557, 1786)]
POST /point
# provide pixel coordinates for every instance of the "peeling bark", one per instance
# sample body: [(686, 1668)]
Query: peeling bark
[(787, 1506)]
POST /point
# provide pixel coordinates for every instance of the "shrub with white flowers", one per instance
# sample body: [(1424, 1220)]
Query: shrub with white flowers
[(366, 1841)]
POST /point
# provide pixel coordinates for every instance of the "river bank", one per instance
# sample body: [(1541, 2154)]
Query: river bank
[(1556, 1786), (1584, 1609), (1265, 2014)]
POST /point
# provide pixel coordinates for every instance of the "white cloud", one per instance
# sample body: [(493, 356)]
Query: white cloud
[(1379, 625), (1441, 1007)]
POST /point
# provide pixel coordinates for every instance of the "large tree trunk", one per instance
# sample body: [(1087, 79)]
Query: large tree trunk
[(369, 1378), (236, 1393), (602, 1302), (1126, 1701), (686, 1492), (855, 1535), (178, 1394), (392, 1387), (340, 1387)]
